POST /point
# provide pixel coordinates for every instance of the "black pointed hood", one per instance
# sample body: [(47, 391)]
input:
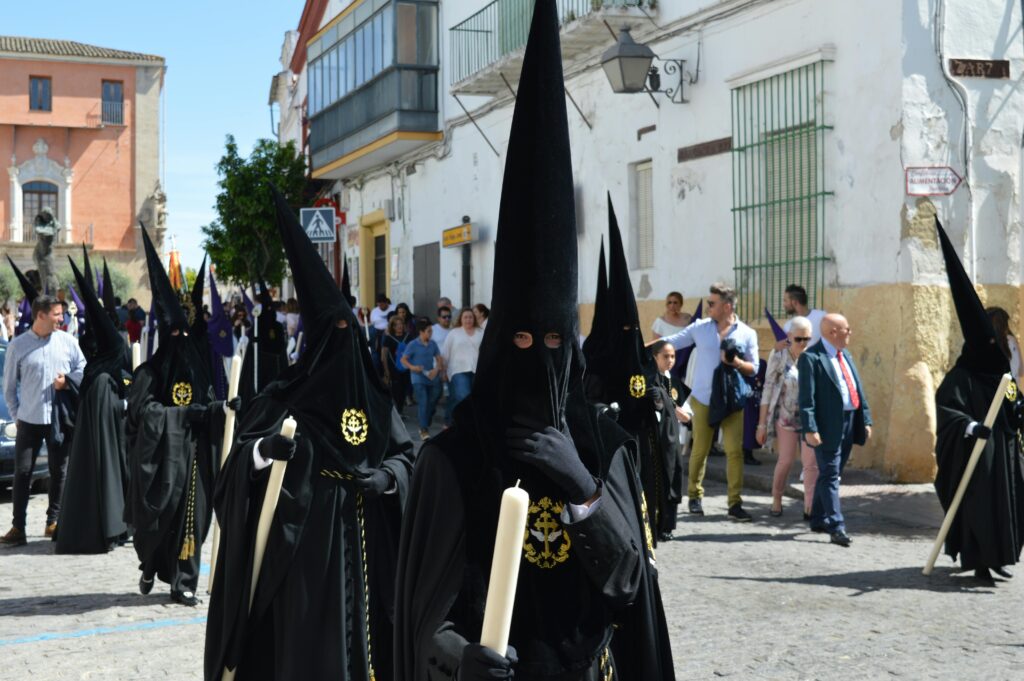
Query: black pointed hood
[(981, 352), (198, 330), (170, 314), (334, 384), (320, 301), (26, 286), (109, 304), (535, 255), (346, 284), (88, 268), (592, 345), (110, 354), (624, 368)]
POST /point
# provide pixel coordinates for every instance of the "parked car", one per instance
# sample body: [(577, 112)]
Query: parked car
[(41, 473)]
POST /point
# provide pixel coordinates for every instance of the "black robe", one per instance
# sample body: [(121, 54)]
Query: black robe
[(577, 580), (171, 467), (988, 530), (665, 485), (92, 511), (327, 551)]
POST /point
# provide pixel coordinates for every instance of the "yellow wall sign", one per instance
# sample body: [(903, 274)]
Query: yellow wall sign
[(457, 236)]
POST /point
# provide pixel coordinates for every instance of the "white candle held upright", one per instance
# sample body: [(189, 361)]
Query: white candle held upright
[(270, 497), (234, 375), (508, 550), (136, 356)]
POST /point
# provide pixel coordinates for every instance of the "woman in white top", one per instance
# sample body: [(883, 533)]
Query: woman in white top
[(674, 319), (461, 350)]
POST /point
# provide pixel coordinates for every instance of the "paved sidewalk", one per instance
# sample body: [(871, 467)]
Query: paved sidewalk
[(760, 600)]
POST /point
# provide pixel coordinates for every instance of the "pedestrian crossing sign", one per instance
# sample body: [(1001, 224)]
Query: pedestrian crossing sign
[(318, 223)]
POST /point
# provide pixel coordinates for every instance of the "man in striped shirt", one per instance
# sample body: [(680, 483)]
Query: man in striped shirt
[(40, 363)]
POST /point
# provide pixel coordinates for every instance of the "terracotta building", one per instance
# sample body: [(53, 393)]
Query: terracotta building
[(80, 133)]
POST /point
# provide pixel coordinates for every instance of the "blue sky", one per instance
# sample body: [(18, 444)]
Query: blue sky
[(220, 54)]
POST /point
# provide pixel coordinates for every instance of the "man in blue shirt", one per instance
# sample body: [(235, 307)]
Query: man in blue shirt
[(707, 335), (41, 363), (423, 359)]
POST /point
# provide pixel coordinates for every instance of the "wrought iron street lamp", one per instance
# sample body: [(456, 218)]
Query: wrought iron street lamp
[(628, 66)]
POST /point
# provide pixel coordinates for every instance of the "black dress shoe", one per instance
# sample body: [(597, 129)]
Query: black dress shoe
[(1003, 572), (696, 508), (737, 513), (185, 598), (145, 585), (841, 539), (983, 575), (748, 458), (664, 536), (807, 516)]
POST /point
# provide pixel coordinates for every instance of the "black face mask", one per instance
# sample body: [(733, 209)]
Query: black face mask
[(183, 378), (536, 383)]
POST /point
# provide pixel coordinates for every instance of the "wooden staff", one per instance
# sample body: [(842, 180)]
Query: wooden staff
[(229, 437), (270, 498), (979, 446)]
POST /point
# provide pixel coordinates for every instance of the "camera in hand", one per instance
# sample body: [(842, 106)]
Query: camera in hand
[(731, 349)]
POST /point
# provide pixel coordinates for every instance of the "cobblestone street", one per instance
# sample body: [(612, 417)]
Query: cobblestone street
[(764, 600)]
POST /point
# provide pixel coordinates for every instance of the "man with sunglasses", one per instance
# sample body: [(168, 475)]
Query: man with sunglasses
[(834, 416), (707, 335)]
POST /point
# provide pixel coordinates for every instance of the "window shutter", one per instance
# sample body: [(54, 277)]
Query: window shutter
[(644, 250)]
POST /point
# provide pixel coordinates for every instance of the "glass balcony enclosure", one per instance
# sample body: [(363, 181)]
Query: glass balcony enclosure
[(376, 63)]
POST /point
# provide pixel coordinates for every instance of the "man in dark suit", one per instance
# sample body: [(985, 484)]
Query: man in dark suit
[(834, 416)]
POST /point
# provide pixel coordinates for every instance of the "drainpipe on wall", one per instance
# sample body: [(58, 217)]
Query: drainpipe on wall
[(968, 151)]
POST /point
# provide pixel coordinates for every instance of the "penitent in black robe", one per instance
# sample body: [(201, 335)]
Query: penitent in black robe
[(578, 582), (172, 465), (324, 603), (272, 350), (665, 485), (92, 512), (988, 530)]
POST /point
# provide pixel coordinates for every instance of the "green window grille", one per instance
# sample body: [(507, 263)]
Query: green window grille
[(779, 190)]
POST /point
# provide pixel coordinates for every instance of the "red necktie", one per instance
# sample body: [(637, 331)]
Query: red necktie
[(850, 385)]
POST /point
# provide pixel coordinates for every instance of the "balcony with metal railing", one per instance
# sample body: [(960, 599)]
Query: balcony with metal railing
[(486, 50), (73, 234), (113, 113)]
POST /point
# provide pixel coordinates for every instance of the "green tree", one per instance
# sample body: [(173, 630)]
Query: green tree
[(191, 273), (243, 243)]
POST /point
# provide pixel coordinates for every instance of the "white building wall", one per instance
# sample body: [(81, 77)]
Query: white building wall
[(885, 96)]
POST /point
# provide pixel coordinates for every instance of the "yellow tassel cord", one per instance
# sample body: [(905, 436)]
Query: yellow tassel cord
[(605, 669), (366, 584), (188, 546)]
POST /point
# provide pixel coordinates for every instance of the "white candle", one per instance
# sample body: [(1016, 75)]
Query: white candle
[(508, 550), (235, 373), (270, 498), (136, 356)]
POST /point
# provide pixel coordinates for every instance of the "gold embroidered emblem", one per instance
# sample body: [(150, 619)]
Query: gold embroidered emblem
[(1011, 391), (545, 543), (272, 334), (181, 395), (127, 381), (675, 395), (223, 333), (354, 426), (648, 535), (637, 386)]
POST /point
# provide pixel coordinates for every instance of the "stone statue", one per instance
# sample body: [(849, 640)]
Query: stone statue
[(46, 228)]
